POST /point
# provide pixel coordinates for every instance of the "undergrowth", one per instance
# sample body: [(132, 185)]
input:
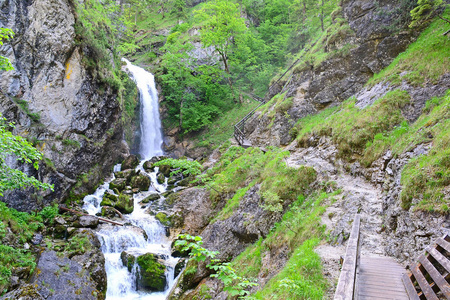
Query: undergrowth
[(239, 170), (300, 230)]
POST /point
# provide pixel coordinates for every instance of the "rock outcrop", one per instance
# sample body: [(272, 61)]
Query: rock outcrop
[(56, 102), (368, 41)]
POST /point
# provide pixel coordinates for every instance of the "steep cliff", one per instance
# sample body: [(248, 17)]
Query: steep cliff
[(58, 100)]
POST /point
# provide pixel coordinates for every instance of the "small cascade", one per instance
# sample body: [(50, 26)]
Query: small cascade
[(142, 233)]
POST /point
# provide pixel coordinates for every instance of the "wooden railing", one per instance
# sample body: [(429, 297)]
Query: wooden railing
[(346, 289)]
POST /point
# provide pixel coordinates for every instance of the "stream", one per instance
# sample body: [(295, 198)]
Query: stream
[(122, 282)]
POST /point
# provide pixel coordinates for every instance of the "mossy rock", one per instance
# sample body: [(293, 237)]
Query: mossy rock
[(161, 178), (174, 178), (125, 204), (141, 182), (151, 197), (108, 212), (171, 198), (128, 260), (185, 181), (151, 273), (149, 166), (109, 199), (118, 183), (130, 162), (162, 217), (127, 174), (165, 169)]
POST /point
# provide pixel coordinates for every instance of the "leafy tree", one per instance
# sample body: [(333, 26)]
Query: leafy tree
[(223, 26), (425, 10)]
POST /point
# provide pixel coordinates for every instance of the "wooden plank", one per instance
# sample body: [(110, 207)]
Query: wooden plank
[(436, 276), (441, 259), (346, 285), (410, 289), (444, 244), (423, 283)]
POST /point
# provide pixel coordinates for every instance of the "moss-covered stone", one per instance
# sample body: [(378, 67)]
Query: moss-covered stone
[(162, 217), (141, 182), (125, 204), (160, 178), (151, 273), (118, 183), (151, 197), (128, 260), (165, 169), (109, 199)]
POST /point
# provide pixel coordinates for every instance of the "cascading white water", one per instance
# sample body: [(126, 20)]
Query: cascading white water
[(116, 239), (151, 137)]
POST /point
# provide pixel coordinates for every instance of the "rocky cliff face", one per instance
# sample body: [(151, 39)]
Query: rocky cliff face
[(55, 101), (361, 48)]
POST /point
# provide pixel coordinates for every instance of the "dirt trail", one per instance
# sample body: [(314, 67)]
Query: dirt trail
[(358, 195)]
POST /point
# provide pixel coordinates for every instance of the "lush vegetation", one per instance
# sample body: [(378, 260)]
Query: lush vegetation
[(240, 57), (300, 230), (17, 228), (238, 170)]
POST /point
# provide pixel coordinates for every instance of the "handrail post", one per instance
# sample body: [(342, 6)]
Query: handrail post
[(346, 289)]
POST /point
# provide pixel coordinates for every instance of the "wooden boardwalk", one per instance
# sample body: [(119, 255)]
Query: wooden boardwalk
[(380, 278), (364, 277)]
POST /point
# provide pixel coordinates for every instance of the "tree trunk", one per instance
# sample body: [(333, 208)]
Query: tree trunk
[(225, 62)]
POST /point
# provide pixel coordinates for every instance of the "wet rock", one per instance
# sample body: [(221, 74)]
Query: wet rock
[(160, 178), (109, 199), (88, 221), (127, 174), (165, 169), (148, 166), (118, 183), (180, 266), (151, 197), (141, 182), (130, 162), (151, 273), (125, 204), (108, 212), (162, 217), (128, 260)]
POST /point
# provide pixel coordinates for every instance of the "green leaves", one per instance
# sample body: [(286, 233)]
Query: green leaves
[(184, 166), (5, 34), (234, 284), (23, 152)]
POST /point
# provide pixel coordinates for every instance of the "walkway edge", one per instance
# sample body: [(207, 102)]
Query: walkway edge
[(347, 279)]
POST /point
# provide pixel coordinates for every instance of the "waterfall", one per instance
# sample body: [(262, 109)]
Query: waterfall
[(142, 233), (151, 137)]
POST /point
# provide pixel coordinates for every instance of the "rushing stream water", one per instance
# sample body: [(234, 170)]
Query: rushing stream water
[(116, 239)]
